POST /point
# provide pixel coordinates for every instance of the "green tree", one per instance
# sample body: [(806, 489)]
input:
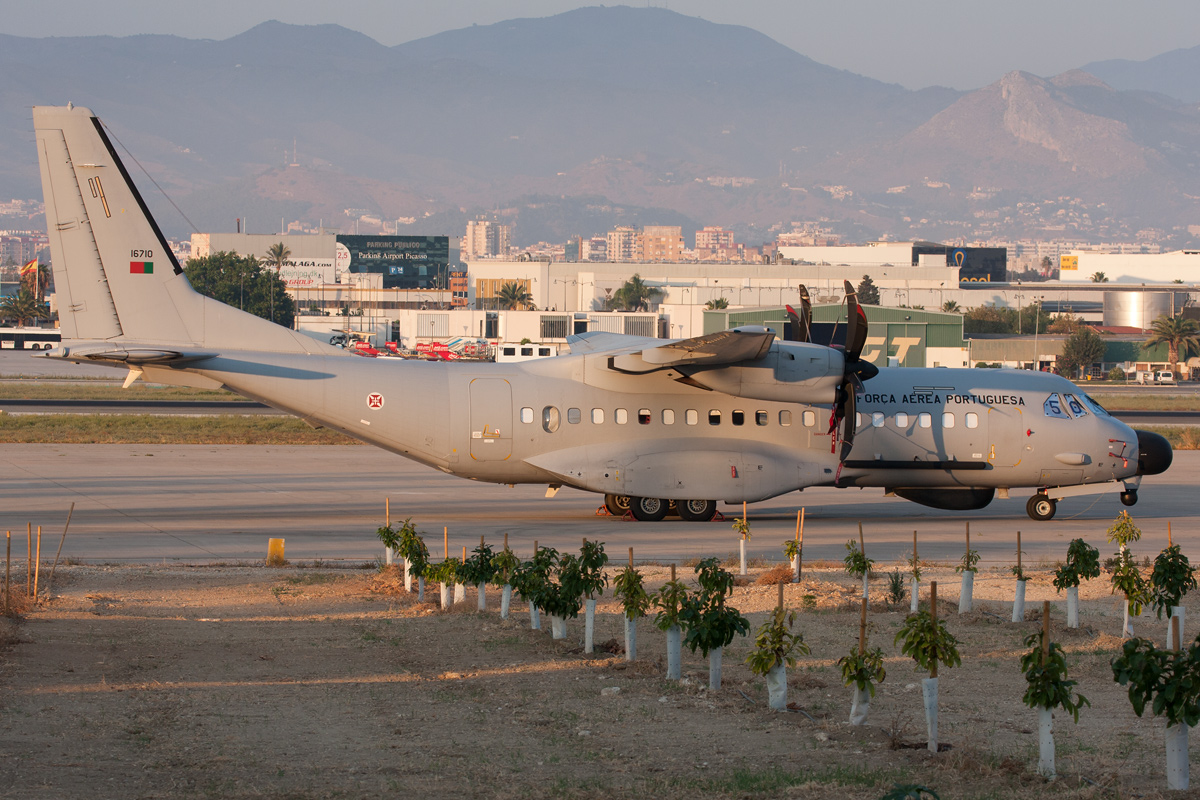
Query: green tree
[(514, 295), (240, 281), (635, 295), (951, 306), (990, 319), (1082, 348), (719, 303), (24, 308), (277, 256), (1099, 277), (1181, 336), (868, 292)]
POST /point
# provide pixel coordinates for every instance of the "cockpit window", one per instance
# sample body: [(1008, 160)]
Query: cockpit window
[(1074, 406), (1096, 408), (1053, 407)]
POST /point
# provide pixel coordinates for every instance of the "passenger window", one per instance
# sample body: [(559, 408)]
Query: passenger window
[(550, 419), (785, 418), (877, 419), (760, 418), (692, 417), (947, 419), (598, 416), (574, 416), (714, 417), (527, 415), (925, 420), (643, 416), (668, 416), (901, 419), (739, 417), (972, 419), (809, 418), (621, 416)]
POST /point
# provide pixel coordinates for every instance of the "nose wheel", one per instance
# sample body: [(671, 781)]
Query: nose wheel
[(1041, 508), (1129, 498)]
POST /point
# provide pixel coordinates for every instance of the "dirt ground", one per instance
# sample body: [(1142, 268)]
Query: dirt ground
[(243, 681)]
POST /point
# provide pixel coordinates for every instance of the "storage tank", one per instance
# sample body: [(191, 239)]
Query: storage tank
[(1139, 309)]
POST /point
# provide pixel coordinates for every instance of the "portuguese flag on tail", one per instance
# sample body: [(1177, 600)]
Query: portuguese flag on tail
[(141, 267)]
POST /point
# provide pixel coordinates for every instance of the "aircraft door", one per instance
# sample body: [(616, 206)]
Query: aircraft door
[(491, 419), (1006, 435)]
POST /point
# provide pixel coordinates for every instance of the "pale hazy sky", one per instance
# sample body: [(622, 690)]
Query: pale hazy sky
[(964, 44)]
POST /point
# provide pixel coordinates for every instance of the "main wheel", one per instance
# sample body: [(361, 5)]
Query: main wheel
[(1129, 498), (696, 510), (617, 504), (648, 509), (1041, 507)]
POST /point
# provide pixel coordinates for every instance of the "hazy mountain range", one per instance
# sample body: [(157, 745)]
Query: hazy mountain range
[(573, 123)]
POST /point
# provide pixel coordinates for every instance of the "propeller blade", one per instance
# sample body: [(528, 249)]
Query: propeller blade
[(856, 325), (805, 314), (849, 425), (796, 333)]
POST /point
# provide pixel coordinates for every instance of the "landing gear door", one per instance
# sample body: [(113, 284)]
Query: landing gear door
[(491, 419)]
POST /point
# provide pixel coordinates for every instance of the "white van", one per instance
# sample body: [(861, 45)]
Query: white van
[(1164, 376)]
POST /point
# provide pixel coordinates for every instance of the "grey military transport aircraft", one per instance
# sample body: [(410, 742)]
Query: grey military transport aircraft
[(732, 416)]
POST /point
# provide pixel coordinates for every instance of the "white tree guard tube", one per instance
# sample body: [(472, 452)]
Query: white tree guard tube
[(914, 588), (965, 596), (589, 626), (460, 593), (929, 688), (1176, 611), (1177, 756), (795, 569), (1072, 606), (407, 576), (742, 545), (558, 627), (777, 687), (535, 617), (860, 706), (714, 668), (1019, 602), (505, 601), (1127, 625), (482, 589), (420, 588), (630, 639), (1046, 743), (445, 595), (674, 653), (388, 556)]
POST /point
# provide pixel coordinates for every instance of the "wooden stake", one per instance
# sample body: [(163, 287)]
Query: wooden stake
[(933, 613), (1045, 630), (481, 540), (862, 546), (464, 558), (1175, 643), (779, 604), (506, 541), (387, 512), (631, 556), (445, 542), (37, 563), (916, 560), (1168, 533), (1018, 551), (61, 542), (7, 566), (968, 537), (800, 547), (672, 572), (28, 558), (862, 628)]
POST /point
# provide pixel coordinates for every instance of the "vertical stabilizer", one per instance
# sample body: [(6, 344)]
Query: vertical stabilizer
[(114, 273)]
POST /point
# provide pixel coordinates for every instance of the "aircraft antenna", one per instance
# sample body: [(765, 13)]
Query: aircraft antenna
[(162, 191)]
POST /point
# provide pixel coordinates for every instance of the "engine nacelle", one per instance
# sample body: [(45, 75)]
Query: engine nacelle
[(966, 499), (792, 372)]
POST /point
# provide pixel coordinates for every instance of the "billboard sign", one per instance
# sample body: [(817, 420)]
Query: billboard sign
[(304, 273), (405, 262)]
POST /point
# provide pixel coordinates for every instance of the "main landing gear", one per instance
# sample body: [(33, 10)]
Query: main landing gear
[(653, 509), (1041, 507)]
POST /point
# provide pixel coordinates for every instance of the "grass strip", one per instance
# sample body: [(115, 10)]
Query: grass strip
[(31, 390), (151, 429)]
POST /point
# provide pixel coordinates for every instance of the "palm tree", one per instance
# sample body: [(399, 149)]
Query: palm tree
[(1179, 334), (1099, 277), (22, 307), (950, 305), (277, 256), (635, 295), (513, 295), (713, 305)]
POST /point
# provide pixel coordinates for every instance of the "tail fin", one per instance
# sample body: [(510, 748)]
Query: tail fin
[(114, 273)]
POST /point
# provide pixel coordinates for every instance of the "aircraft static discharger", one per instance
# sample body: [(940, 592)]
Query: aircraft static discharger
[(732, 416)]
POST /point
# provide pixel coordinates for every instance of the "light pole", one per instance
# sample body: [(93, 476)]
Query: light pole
[(1037, 318)]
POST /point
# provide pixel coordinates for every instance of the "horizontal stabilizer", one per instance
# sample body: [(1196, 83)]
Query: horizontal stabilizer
[(122, 354)]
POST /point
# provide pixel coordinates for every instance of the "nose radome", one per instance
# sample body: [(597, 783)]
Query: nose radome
[(1154, 453)]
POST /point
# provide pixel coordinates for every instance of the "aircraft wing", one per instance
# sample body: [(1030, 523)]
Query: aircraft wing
[(711, 350), (127, 354), (602, 342)]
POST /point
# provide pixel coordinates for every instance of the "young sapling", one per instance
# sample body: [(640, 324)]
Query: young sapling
[(856, 561), (708, 624), (927, 641), (862, 669), (1018, 613), (742, 526), (967, 567), (592, 560), (914, 571), (1125, 575), (1083, 563), (1047, 688), (1172, 578), (635, 602), (669, 600), (505, 563), (774, 651)]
